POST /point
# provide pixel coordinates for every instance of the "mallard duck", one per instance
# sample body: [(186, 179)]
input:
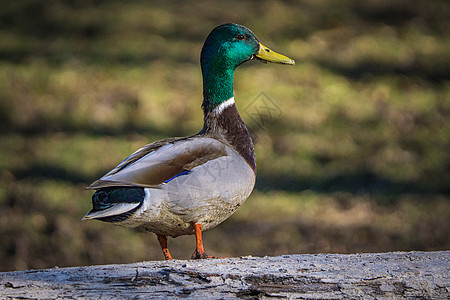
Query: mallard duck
[(182, 186)]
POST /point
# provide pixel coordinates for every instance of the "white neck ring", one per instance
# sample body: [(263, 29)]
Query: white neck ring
[(219, 108)]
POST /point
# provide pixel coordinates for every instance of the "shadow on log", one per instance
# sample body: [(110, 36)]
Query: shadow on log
[(418, 275)]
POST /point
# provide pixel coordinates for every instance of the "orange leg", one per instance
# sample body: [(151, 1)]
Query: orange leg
[(199, 252), (162, 239)]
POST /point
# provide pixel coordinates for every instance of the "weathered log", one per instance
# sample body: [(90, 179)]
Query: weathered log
[(418, 275)]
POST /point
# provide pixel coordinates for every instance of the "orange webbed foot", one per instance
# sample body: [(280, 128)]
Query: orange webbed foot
[(199, 252), (162, 239)]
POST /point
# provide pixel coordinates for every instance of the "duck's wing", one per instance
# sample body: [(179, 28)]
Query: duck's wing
[(157, 163)]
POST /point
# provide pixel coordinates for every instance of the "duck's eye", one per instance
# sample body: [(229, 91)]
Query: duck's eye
[(241, 37)]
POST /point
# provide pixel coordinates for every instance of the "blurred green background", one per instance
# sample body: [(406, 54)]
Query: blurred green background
[(356, 157)]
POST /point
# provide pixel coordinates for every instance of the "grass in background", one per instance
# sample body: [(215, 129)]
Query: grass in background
[(356, 159)]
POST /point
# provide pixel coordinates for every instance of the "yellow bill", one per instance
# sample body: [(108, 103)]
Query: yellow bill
[(265, 54)]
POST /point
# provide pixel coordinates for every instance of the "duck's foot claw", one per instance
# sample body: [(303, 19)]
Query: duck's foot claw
[(198, 255)]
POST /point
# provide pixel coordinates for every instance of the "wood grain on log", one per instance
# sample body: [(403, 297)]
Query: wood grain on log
[(418, 275)]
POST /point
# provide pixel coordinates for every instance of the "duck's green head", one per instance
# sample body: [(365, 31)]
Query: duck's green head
[(225, 48), (230, 45)]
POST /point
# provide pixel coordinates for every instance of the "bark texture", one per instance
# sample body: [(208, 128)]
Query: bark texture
[(410, 275)]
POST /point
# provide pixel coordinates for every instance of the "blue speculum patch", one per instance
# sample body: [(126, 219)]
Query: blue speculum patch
[(182, 173)]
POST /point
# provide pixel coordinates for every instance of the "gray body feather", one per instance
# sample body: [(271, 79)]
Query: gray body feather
[(219, 180)]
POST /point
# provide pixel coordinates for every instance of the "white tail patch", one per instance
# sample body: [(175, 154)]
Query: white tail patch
[(115, 210)]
